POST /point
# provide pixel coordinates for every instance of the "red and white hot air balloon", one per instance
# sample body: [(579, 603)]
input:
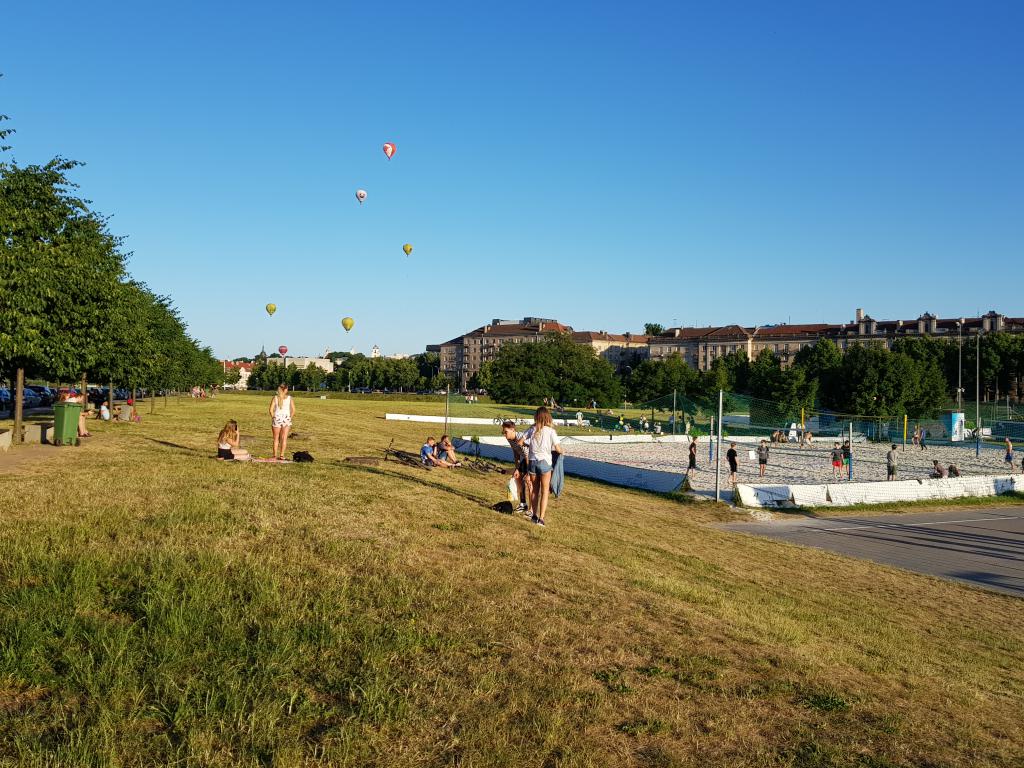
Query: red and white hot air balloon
[(283, 349), (389, 149)]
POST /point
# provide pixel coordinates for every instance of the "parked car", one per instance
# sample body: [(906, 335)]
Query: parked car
[(5, 399), (30, 399), (46, 395)]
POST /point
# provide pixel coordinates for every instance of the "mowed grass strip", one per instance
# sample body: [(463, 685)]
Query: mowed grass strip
[(159, 607)]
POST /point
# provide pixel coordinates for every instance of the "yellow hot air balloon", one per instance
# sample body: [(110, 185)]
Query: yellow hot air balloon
[(407, 248), (347, 323), (271, 309)]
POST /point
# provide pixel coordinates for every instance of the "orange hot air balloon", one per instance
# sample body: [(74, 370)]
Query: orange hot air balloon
[(407, 248), (389, 149), (347, 323)]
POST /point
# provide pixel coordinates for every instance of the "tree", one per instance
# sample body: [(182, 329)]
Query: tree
[(655, 378), (312, 377), (553, 367), (653, 329), (820, 362), (59, 275)]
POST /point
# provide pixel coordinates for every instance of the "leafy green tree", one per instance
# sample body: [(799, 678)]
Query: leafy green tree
[(553, 367), (59, 274), (312, 377), (655, 378), (653, 329)]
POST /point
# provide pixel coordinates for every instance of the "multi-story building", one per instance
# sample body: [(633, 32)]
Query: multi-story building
[(463, 356), (244, 371), (700, 347), (619, 349)]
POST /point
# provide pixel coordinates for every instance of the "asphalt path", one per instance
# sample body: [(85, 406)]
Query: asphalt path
[(981, 546)]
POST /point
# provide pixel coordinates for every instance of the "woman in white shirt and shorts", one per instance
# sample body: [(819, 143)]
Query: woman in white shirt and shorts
[(542, 441), (282, 411)]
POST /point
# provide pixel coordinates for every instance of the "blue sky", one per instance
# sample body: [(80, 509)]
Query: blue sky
[(604, 164)]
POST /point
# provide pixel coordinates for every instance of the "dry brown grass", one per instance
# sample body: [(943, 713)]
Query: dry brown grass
[(436, 631)]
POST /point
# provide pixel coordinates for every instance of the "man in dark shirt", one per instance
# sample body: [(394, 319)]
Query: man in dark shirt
[(837, 461), (733, 458)]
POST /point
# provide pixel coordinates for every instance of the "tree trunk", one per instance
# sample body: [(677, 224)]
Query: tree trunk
[(152, 402), (110, 399), (19, 392)]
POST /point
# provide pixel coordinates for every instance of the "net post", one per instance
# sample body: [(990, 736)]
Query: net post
[(849, 469), (447, 394), (673, 412), (905, 419), (718, 453)]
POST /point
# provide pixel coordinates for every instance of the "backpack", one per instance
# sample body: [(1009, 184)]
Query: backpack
[(300, 457)]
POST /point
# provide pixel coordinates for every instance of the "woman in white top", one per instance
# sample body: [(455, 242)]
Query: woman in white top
[(282, 410), (542, 441)]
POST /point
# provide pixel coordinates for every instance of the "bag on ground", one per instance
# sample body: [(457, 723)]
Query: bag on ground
[(513, 491)]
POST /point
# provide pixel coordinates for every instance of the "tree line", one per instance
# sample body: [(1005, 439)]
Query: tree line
[(352, 371), (918, 376), (69, 310)]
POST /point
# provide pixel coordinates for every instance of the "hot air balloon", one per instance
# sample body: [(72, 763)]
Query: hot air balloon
[(347, 323), (407, 248), (283, 349), (389, 149), (271, 309), (360, 195)]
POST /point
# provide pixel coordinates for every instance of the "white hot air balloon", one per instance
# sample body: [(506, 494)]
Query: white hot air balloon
[(361, 195)]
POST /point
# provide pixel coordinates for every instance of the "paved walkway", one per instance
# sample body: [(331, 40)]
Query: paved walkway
[(981, 546)]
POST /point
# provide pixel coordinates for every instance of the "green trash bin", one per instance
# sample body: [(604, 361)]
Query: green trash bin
[(65, 423)]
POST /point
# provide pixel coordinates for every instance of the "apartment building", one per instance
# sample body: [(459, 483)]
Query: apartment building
[(700, 347), (619, 349)]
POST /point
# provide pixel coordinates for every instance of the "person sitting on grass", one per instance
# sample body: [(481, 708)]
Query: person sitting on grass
[(429, 456), (938, 471), (229, 444), (445, 450), (104, 414)]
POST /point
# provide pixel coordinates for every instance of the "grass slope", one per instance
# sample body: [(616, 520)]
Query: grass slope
[(160, 607)]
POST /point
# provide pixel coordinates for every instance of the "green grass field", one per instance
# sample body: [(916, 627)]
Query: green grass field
[(158, 607)]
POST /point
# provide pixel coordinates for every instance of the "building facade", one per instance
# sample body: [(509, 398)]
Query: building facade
[(700, 347), (620, 349), (462, 357)]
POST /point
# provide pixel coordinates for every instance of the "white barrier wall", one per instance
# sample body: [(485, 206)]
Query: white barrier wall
[(476, 420), (848, 494), (615, 474)]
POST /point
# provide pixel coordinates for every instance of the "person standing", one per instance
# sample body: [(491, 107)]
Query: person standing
[(847, 454), (282, 411), (837, 460), (924, 433), (891, 461), (762, 458), (733, 458), (1008, 458), (542, 441), (692, 464), (521, 474)]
